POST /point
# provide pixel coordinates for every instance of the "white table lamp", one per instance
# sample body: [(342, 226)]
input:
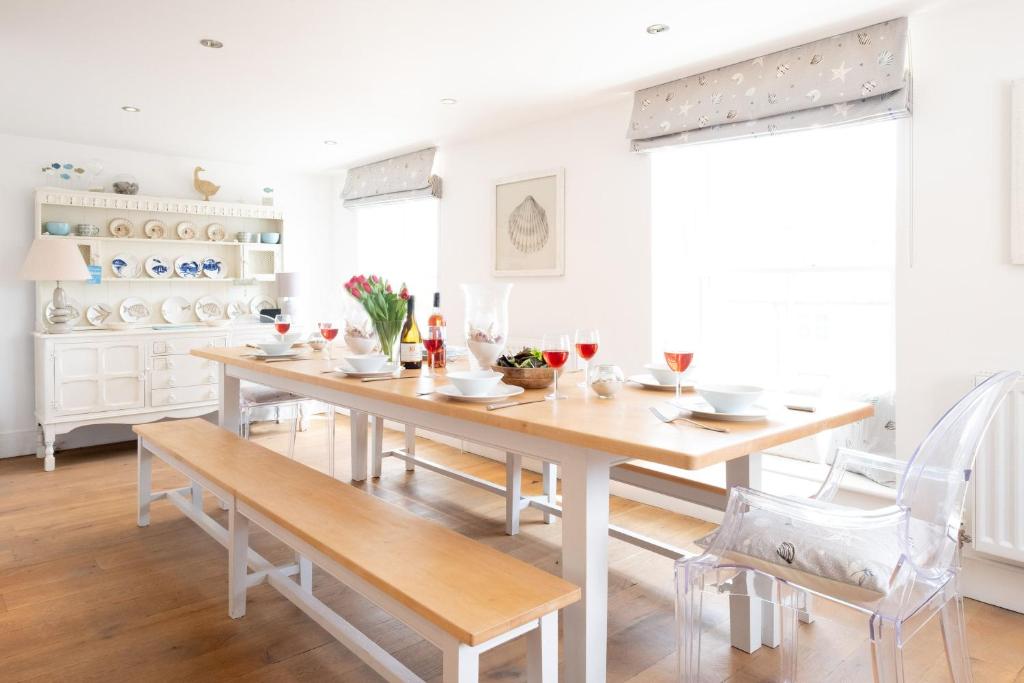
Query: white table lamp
[(60, 260), (289, 289)]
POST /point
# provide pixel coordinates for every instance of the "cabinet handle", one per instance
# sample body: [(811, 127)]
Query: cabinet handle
[(172, 398), (170, 364), (170, 381), (211, 379)]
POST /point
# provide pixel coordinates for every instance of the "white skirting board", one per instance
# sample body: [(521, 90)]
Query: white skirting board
[(996, 583)]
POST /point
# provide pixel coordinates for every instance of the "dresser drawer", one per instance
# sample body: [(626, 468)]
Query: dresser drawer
[(162, 347), (180, 395), (170, 379), (183, 363)]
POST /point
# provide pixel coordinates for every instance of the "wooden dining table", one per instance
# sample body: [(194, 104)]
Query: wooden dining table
[(584, 435)]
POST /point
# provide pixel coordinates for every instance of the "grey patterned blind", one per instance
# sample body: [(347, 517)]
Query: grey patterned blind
[(852, 77), (408, 176)]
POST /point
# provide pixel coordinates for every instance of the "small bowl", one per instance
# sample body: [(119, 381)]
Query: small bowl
[(317, 344), (57, 228), (360, 345), (527, 378), (730, 398), (86, 230), (475, 382), (270, 237), (661, 373), (367, 362), (274, 348), (247, 237), (607, 380)]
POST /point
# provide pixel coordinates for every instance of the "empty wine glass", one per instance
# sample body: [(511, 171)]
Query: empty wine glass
[(678, 356), (282, 323), (555, 349), (586, 349)]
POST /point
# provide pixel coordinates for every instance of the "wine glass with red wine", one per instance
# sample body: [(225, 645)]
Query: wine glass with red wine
[(433, 342), (555, 349), (678, 356), (328, 331), (586, 348), (282, 323)]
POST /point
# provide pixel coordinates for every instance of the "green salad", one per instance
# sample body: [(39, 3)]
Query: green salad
[(529, 357)]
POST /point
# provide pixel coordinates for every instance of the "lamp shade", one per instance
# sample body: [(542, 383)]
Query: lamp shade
[(54, 259), (289, 285)]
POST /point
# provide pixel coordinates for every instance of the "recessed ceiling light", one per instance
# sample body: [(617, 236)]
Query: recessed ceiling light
[(657, 28), (449, 100), (131, 109), (330, 142), (211, 43)]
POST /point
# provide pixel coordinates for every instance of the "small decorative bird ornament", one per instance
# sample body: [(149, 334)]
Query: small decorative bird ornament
[(204, 187)]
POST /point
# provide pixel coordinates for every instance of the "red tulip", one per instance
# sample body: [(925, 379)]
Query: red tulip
[(404, 293), (366, 286), (374, 278), (388, 288), (356, 293)]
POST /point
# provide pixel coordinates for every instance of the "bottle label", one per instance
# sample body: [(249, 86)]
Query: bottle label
[(409, 353)]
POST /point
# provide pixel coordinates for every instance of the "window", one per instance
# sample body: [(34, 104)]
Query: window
[(398, 241), (777, 254)]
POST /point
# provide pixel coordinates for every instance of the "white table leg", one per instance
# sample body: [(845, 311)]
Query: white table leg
[(377, 447), (331, 417), (752, 622), (585, 563), (357, 425), (145, 484), (230, 401), (549, 480), (513, 491), (410, 445)]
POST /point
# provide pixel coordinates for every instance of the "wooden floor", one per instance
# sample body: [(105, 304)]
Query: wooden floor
[(86, 595)]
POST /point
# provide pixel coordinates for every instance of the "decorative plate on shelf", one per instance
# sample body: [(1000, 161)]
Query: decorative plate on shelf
[(216, 232), (155, 230), (208, 308), (212, 267), (236, 309), (158, 267), (121, 227), (187, 268), (134, 310), (176, 309), (74, 311), (97, 314), (186, 230), (259, 302), (125, 265)]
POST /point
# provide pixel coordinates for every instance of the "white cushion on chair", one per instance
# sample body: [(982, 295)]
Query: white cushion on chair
[(254, 394)]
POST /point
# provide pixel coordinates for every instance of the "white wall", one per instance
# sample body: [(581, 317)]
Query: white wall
[(958, 304), (607, 222), (306, 201)]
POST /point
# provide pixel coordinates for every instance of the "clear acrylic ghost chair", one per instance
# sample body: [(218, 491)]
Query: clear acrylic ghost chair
[(898, 566), (255, 396)]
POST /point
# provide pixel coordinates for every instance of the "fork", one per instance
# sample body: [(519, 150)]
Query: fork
[(667, 418)]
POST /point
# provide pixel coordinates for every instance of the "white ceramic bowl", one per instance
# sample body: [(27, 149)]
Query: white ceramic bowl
[(730, 398), (274, 348), (360, 345), (475, 382), (371, 362), (661, 373), (293, 336)]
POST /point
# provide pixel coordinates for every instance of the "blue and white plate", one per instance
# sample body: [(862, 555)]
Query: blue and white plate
[(158, 267), (125, 265), (213, 267), (187, 268)]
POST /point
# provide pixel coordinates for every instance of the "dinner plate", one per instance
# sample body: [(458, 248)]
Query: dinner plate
[(125, 265), (260, 302), (176, 309), (502, 391), (258, 353), (97, 314), (208, 308), (121, 227), (187, 268), (648, 382), (698, 407), (185, 230), (215, 232), (134, 310), (155, 230), (212, 267), (383, 372), (158, 267)]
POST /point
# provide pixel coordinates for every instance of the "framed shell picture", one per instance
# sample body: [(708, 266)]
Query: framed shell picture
[(529, 224)]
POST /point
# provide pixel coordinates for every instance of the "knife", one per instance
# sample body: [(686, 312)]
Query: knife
[(509, 404), (387, 379)]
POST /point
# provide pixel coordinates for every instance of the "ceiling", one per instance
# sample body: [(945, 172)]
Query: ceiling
[(369, 74)]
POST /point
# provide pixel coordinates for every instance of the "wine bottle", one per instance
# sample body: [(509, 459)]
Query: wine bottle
[(436, 319), (409, 343)]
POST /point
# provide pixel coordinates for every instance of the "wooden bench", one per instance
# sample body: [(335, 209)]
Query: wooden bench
[(461, 595)]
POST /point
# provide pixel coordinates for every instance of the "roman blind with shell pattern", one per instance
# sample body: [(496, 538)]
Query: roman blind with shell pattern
[(852, 77), (408, 176)]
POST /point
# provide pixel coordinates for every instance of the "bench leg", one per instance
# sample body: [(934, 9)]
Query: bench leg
[(305, 573), (513, 491), (238, 552), (357, 424), (377, 450), (293, 431), (145, 484), (196, 495), (410, 445), (542, 651), (549, 482), (461, 664)]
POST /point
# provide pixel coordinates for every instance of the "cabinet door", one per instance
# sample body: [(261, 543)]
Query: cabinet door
[(99, 377)]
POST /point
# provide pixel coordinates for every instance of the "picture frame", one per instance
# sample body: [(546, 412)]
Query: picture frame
[(528, 224), (1017, 172)]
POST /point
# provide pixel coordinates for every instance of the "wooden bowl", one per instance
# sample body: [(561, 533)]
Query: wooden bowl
[(527, 378)]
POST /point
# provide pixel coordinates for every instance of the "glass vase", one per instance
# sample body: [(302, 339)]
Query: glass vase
[(387, 335), (486, 321)]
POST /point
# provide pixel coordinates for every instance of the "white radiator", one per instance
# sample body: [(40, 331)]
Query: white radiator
[(999, 482)]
